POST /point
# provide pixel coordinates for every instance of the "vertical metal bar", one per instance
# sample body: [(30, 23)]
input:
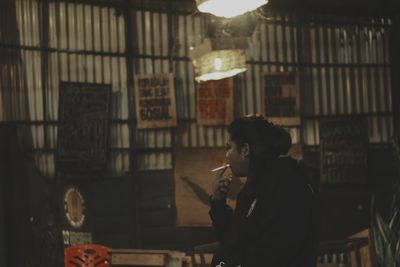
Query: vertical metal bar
[(268, 41), (132, 129), (299, 45), (92, 18), (343, 93), (276, 42), (314, 71), (284, 43), (5, 21), (151, 34), (394, 42), (369, 88), (341, 75), (67, 22), (30, 25), (345, 75), (144, 35), (379, 108), (318, 91), (359, 77), (335, 53), (44, 43), (102, 68), (78, 41)]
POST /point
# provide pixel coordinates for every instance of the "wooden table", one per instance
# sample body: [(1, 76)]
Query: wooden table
[(143, 257)]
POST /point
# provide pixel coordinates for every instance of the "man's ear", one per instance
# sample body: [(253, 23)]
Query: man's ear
[(245, 150)]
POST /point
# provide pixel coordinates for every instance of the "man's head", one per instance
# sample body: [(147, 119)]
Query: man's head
[(253, 139)]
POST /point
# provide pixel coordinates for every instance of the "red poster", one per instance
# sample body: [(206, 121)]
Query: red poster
[(215, 102)]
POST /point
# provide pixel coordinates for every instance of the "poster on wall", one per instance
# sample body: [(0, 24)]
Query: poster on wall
[(155, 101), (215, 102), (76, 223), (343, 150), (83, 130), (193, 183), (281, 98), (74, 207)]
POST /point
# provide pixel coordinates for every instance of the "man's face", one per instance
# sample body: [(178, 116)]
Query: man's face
[(237, 158)]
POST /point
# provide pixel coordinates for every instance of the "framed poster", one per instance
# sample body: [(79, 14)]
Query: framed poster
[(155, 101), (281, 98), (83, 128), (215, 102), (343, 150)]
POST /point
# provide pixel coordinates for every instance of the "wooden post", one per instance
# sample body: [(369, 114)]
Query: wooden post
[(395, 72)]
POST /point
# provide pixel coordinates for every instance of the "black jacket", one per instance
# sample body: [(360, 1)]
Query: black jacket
[(276, 220)]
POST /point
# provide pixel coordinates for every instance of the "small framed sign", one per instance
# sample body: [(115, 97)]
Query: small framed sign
[(281, 98), (155, 101)]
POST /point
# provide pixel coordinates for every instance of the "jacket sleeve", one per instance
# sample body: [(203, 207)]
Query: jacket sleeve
[(283, 234), (221, 216)]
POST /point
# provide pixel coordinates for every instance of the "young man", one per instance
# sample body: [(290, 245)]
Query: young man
[(275, 222)]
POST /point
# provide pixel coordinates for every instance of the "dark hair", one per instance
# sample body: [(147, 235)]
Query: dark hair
[(266, 140)]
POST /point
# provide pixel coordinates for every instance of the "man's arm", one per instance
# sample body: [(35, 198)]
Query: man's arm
[(221, 216)]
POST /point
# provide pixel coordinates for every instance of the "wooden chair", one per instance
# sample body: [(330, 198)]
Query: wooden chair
[(360, 249)]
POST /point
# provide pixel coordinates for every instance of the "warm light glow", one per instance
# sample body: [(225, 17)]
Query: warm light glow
[(219, 75), (219, 64), (228, 8)]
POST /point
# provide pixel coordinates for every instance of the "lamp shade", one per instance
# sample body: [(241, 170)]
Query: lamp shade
[(219, 64), (228, 8)]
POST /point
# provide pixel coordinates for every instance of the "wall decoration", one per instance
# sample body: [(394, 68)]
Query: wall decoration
[(73, 238), (74, 207), (281, 98), (343, 150), (83, 128), (215, 102), (155, 101), (193, 181)]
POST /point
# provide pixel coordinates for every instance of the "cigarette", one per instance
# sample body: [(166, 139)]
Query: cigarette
[(220, 168)]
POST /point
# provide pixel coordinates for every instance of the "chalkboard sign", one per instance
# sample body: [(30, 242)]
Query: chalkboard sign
[(83, 128), (281, 98), (343, 150)]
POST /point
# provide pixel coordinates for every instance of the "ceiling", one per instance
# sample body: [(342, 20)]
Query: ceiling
[(350, 7), (353, 6)]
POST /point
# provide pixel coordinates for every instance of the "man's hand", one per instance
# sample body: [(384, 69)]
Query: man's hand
[(221, 186)]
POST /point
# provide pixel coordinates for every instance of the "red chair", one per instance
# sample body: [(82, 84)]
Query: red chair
[(86, 256)]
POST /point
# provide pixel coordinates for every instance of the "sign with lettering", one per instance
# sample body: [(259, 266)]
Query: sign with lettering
[(343, 150), (155, 101), (215, 102), (281, 98), (83, 128)]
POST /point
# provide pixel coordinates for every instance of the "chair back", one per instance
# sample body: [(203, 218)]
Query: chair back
[(86, 256)]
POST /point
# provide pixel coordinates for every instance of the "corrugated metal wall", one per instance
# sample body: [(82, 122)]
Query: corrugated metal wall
[(344, 65)]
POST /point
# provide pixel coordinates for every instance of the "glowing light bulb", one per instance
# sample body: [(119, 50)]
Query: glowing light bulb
[(228, 8), (218, 63)]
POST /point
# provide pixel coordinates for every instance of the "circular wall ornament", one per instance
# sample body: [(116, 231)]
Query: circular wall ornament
[(74, 207)]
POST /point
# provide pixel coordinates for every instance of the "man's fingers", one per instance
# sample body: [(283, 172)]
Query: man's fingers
[(223, 189), (224, 182), (221, 172)]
